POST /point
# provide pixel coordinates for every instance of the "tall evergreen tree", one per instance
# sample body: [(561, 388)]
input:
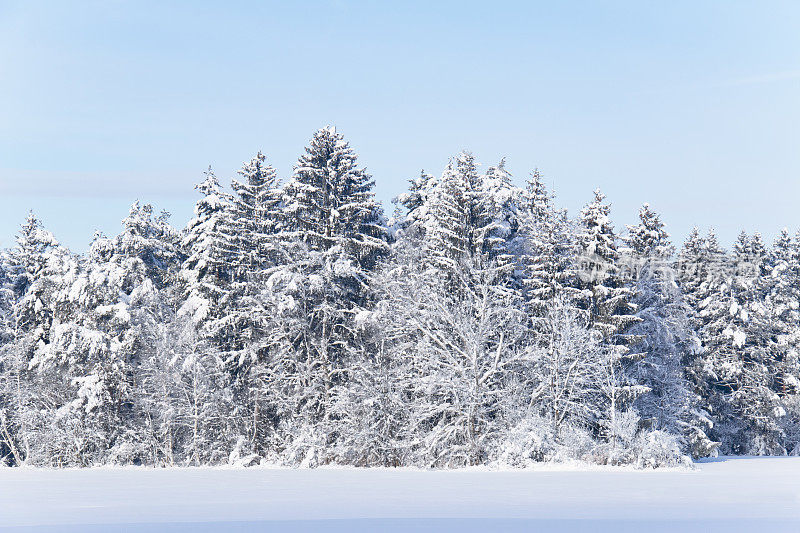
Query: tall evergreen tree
[(331, 211), (606, 295), (416, 202), (546, 250), (668, 340), (449, 221), (607, 301), (257, 216), (209, 246), (330, 205), (35, 267)]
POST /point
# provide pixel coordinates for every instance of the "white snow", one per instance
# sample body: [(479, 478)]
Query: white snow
[(729, 494)]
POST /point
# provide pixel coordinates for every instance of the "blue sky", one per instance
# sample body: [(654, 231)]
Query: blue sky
[(693, 106)]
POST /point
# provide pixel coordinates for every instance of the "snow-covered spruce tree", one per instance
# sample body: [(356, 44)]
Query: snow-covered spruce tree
[(703, 274), (545, 250), (147, 254), (449, 214), (208, 278), (692, 268), (757, 397), (468, 215), (330, 206), (157, 392), (560, 382), (209, 244), (257, 216), (700, 264), (34, 267), (416, 203), (152, 240), (668, 340), (735, 375), (498, 214), (36, 257), (606, 298), (779, 287), (257, 220), (331, 211)]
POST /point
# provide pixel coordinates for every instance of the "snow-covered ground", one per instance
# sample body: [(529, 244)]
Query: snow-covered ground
[(731, 494)]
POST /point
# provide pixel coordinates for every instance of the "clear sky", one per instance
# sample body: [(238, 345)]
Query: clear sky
[(693, 106)]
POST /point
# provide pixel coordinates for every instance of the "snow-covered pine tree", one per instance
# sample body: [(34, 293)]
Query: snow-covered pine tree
[(703, 275), (257, 219), (497, 213), (34, 265), (668, 340), (152, 240), (207, 280), (734, 375), (329, 203), (256, 213), (466, 215), (416, 203), (331, 212), (606, 297), (545, 250), (780, 289), (209, 244), (90, 359), (691, 270), (257, 216), (446, 225), (761, 407), (147, 255), (36, 256), (789, 370)]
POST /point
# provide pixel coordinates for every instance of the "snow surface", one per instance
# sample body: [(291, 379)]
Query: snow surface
[(729, 494)]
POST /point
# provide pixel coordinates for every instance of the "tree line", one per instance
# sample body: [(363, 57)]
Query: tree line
[(294, 323)]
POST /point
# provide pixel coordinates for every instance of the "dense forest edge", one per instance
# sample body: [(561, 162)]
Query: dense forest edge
[(294, 323)]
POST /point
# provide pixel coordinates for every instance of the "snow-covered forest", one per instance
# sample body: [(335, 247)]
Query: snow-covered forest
[(293, 322)]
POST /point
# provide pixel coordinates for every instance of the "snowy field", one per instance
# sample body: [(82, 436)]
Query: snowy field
[(731, 494)]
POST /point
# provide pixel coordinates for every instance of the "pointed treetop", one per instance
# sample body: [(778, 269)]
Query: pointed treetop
[(649, 238), (595, 213), (32, 233), (712, 243), (256, 171), (599, 196), (783, 240), (210, 185)]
